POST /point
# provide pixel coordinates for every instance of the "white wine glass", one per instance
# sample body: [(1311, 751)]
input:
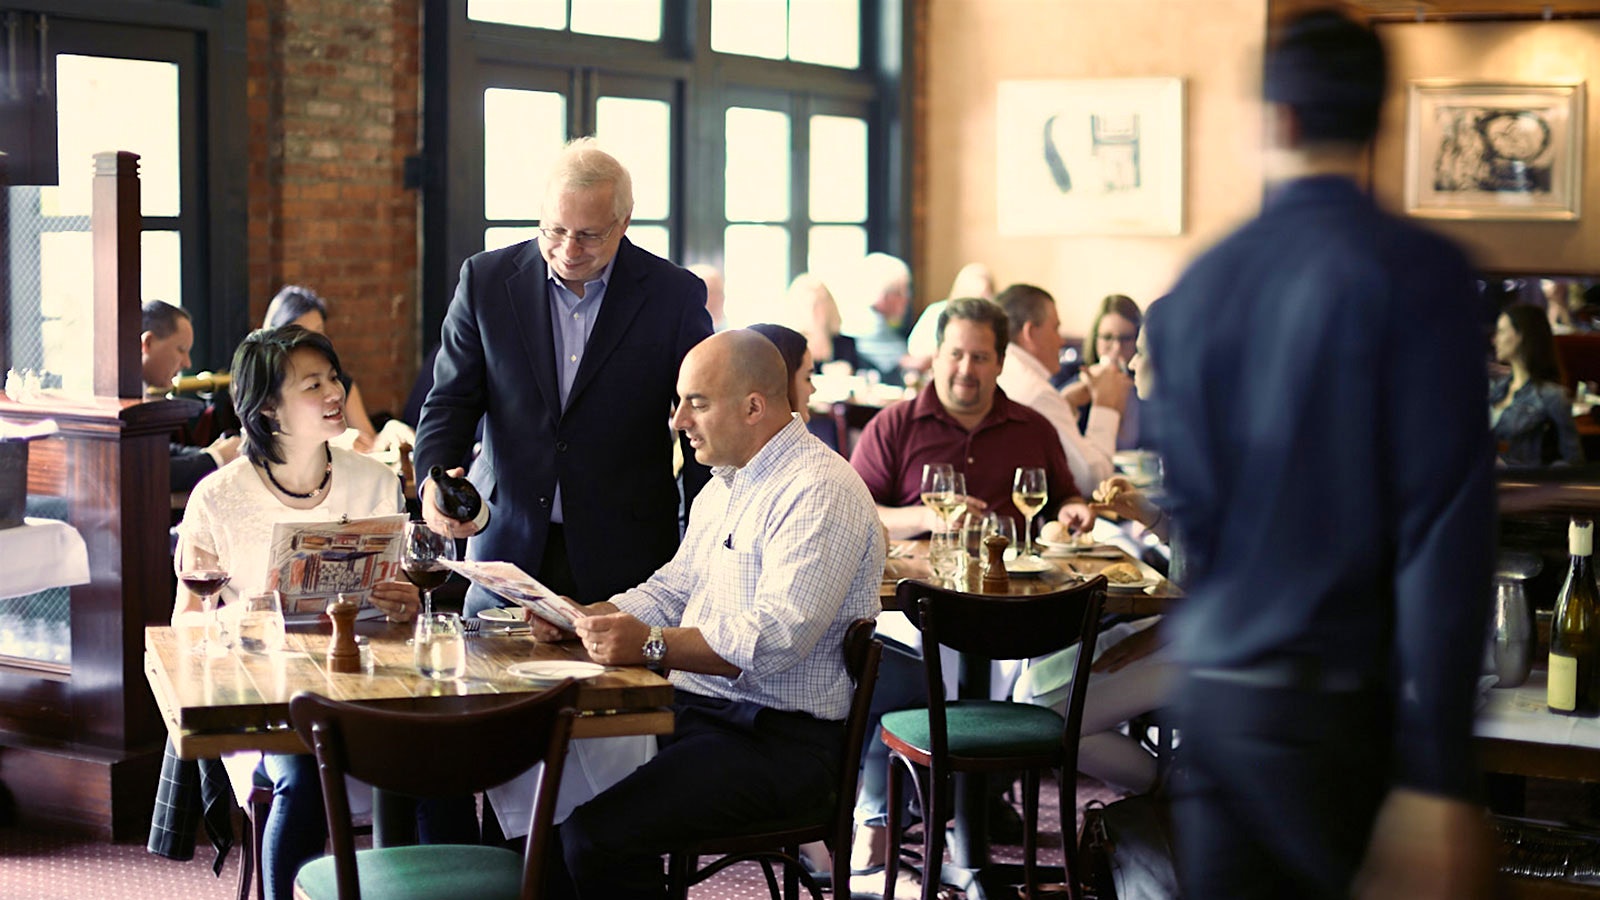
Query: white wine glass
[(957, 505), (937, 490), (421, 559), (1028, 494)]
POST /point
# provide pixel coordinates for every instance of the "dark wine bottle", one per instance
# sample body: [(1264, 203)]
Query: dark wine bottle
[(457, 498), (1574, 682)]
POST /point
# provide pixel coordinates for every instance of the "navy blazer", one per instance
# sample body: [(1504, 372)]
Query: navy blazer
[(610, 449)]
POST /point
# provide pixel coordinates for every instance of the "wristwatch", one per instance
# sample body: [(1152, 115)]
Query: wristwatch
[(655, 647)]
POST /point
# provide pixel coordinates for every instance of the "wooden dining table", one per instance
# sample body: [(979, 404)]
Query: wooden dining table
[(236, 701)]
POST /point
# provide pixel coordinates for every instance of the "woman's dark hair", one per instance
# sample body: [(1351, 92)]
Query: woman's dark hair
[(292, 302), (791, 346), (260, 366), (1119, 304), (1538, 349)]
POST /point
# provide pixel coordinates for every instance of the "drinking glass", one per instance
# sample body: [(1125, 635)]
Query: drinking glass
[(1028, 494), (203, 575), (937, 490), (258, 624), (945, 554), (440, 646), (1006, 527), (972, 527), (420, 557)]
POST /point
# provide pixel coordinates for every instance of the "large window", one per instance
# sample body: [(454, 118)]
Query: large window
[(761, 134)]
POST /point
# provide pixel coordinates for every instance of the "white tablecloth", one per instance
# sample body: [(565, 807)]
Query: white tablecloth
[(1520, 714), (41, 554)]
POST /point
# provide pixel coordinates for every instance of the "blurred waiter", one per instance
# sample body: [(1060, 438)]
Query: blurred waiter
[(567, 346), (1321, 418)]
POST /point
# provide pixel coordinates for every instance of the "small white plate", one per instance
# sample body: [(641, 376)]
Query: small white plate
[(554, 669), (500, 614), (1028, 565), (1133, 587)]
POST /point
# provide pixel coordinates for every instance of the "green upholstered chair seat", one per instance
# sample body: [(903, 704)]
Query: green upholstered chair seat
[(428, 872), (983, 728)]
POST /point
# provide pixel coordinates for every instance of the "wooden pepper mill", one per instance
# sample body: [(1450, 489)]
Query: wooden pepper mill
[(343, 654), (996, 580)]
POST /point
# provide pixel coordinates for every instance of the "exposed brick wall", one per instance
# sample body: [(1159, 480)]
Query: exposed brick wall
[(334, 106)]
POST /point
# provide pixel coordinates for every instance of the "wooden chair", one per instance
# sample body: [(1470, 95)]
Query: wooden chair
[(779, 840), (848, 420), (982, 736), (420, 754)]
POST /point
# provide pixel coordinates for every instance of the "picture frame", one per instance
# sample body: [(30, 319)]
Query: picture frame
[(1090, 156), (1493, 151)]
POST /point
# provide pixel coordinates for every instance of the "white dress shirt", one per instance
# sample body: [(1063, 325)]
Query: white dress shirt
[(1025, 380), (780, 557)]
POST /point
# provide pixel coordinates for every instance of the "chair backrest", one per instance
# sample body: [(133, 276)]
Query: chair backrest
[(1004, 627), (862, 653), (420, 753)]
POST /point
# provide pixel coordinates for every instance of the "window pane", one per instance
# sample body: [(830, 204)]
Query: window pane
[(826, 32), (637, 19), (103, 104), (495, 238), (523, 131), (66, 307), (755, 271), (831, 251), (531, 13), (838, 187), (161, 275), (655, 238), (639, 134), (749, 27), (757, 175)]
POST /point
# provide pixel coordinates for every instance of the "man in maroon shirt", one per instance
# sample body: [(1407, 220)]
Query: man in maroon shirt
[(968, 422)]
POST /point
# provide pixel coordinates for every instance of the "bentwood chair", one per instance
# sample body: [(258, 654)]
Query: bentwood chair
[(419, 754), (831, 821), (981, 736)]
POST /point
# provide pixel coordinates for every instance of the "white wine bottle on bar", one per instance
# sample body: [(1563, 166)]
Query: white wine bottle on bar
[(1574, 683)]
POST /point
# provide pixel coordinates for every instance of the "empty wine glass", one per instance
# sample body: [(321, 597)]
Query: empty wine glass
[(420, 560), (1006, 527), (1028, 493)]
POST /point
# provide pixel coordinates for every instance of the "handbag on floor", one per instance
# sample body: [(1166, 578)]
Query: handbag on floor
[(1126, 851)]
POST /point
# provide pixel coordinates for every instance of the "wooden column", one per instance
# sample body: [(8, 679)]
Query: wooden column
[(116, 224)]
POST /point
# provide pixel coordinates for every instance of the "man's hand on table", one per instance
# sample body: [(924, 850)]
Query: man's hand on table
[(437, 520), (399, 601), (550, 634), (1075, 514), (1425, 846)]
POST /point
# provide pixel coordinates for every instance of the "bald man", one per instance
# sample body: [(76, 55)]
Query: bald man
[(782, 554)]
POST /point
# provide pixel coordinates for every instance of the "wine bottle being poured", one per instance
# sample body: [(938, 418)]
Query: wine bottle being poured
[(457, 498)]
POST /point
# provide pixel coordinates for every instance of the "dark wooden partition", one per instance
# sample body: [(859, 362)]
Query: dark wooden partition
[(80, 743)]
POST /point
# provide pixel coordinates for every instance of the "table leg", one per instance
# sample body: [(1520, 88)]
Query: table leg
[(394, 819)]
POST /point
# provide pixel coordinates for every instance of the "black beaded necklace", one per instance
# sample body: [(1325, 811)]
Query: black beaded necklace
[(327, 473)]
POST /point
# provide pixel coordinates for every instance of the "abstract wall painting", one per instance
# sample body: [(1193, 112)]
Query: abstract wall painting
[(1090, 156), (1491, 151)]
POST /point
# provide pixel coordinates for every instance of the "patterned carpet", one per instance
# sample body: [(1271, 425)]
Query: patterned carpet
[(44, 865)]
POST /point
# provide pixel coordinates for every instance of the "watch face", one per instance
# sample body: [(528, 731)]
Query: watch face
[(655, 649)]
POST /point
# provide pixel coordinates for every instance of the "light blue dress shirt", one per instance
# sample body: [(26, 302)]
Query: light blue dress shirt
[(572, 321)]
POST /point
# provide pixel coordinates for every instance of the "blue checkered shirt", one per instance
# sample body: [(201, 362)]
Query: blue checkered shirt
[(781, 556)]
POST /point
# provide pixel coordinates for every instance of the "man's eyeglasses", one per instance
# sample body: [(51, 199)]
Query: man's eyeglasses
[(584, 238), (1124, 339)]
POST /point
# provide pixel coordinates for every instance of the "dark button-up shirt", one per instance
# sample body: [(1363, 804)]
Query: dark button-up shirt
[(1319, 408), (900, 440)]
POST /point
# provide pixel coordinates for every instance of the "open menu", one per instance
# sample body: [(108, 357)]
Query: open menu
[(507, 580), (310, 563)]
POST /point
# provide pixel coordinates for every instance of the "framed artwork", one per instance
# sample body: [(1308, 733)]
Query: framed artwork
[(1491, 151), (1090, 156)]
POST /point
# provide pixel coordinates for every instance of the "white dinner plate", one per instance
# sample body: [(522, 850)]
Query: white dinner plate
[(1027, 565), (1132, 587), (1073, 546), (554, 669), (500, 614)]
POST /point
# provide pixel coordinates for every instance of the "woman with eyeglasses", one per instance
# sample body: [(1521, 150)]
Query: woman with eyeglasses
[(1107, 351)]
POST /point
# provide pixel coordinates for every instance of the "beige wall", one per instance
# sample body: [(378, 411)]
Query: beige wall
[(972, 45), (1501, 52)]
